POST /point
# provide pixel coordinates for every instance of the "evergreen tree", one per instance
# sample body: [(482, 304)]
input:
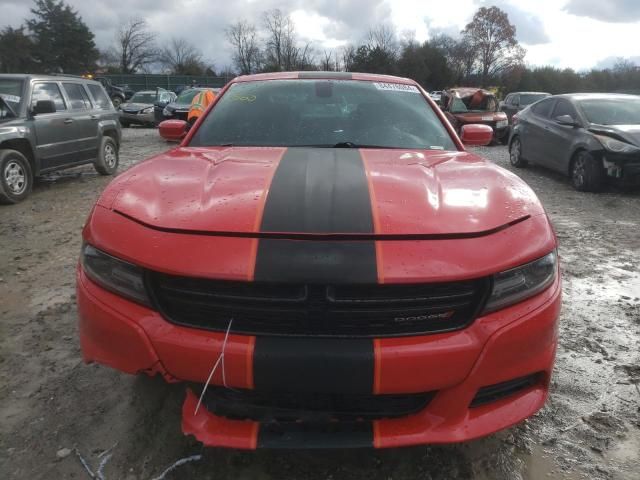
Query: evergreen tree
[(62, 41)]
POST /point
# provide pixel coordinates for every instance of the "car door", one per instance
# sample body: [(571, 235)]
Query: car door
[(55, 132), (533, 127), (558, 138), (84, 121)]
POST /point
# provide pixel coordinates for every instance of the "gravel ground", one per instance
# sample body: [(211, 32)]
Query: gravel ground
[(51, 403)]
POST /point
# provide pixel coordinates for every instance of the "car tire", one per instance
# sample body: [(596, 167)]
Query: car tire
[(16, 177), (108, 158), (515, 153), (587, 172), (117, 101)]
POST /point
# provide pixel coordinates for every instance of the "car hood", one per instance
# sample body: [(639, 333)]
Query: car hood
[(628, 133), (314, 191), (135, 106), (480, 117), (178, 106)]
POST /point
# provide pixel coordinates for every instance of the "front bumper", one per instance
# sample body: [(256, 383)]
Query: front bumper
[(508, 344), (138, 118)]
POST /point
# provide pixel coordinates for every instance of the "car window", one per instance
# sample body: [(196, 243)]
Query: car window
[(323, 113), (563, 107), (612, 111), (529, 98), (77, 96), (48, 91), (101, 99), (543, 108)]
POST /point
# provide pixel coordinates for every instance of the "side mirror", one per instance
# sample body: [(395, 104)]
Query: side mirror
[(173, 130), (566, 120), (44, 106), (476, 134)]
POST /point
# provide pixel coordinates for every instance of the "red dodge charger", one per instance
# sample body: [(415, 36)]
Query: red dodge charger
[(324, 265)]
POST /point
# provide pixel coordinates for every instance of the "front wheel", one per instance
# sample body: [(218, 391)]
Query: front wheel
[(117, 101), (107, 161), (515, 153), (16, 177), (587, 173)]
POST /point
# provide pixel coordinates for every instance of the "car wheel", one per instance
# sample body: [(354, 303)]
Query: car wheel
[(117, 101), (16, 177), (515, 153), (587, 174), (107, 162)]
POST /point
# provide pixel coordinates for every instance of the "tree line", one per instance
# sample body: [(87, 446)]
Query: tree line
[(485, 53)]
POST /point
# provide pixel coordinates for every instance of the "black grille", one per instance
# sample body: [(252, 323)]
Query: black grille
[(317, 310), (310, 407)]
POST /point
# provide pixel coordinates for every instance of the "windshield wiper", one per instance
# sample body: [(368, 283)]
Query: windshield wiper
[(343, 145)]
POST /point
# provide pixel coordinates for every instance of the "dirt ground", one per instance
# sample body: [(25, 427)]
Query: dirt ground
[(51, 403)]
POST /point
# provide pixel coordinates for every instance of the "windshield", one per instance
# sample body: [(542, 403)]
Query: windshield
[(323, 113), (477, 103), (11, 92), (143, 97), (187, 96), (529, 98), (623, 111)]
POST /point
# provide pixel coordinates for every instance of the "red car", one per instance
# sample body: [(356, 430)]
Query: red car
[(326, 266), (463, 106)]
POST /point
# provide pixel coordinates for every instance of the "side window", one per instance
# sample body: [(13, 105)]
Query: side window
[(77, 96), (102, 101), (543, 108), (515, 100), (48, 91), (564, 108), (507, 99)]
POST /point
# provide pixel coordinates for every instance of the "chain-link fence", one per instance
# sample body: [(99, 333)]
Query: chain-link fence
[(138, 82)]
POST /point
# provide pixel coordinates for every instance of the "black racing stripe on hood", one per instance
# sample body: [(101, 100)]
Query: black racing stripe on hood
[(327, 75), (318, 191)]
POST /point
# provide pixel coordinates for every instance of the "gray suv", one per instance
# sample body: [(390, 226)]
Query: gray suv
[(53, 122)]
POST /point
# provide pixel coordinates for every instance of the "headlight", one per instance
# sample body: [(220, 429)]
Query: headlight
[(147, 110), (113, 274), (166, 112), (616, 146), (513, 286)]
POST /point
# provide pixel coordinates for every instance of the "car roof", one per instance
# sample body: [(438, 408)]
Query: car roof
[(597, 96), (314, 75), (53, 78), (529, 93)]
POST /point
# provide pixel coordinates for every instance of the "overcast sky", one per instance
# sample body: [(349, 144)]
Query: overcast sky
[(565, 33)]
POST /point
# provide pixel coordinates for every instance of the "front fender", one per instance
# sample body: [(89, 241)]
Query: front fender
[(110, 125)]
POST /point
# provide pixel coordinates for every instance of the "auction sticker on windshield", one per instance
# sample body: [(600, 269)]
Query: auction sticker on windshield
[(396, 87), (10, 98)]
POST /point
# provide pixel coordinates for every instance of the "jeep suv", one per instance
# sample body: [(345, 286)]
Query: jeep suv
[(53, 122)]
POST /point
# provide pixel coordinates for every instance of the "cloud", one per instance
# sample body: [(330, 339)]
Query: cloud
[(610, 62), (530, 28), (615, 11)]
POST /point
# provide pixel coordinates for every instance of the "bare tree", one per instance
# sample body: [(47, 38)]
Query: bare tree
[(243, 38), (182, 58), (135, 46), (348, 57), (326, 62), (383, 37), (493, 38)]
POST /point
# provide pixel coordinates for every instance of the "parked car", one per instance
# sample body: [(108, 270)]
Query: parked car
[(591, 137), (516, 101), (140, 108), (179, 108), (117, 93), (436, 96), (53, 122), (327, 266), (464, 106)]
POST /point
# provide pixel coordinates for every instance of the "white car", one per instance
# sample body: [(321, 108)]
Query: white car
[(436, 96)]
